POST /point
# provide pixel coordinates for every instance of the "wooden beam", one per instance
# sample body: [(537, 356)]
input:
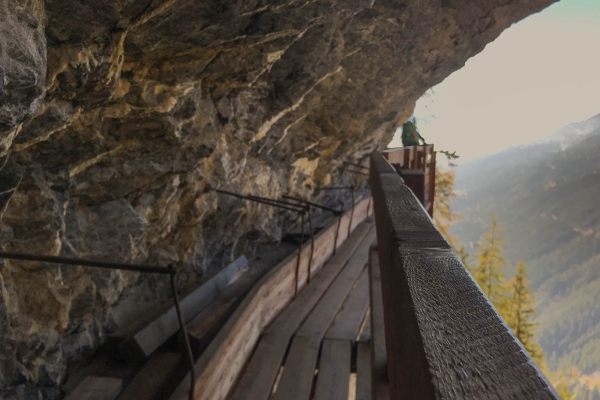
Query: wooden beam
[(443, 337), (257, 380), (152, 335), (431, 186), (154, 377), (296, 380), (319, 222), (415, 180), (203, 328), (299, 369), (333, 380), (379, 374), (220, 365), (363, 371), (96, 388), (350, 319)]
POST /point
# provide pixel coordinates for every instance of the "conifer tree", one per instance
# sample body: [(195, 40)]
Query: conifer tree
[(443, 217), (520, 312), (564, 392), (488, 271)]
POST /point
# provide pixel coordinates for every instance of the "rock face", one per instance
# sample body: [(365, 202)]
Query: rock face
[(119, 119)]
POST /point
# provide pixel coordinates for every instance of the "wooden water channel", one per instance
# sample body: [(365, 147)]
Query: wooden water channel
[(383, 309)]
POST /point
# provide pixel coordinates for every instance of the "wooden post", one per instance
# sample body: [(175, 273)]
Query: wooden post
[(431, 186), (444, 340), (415, 180)]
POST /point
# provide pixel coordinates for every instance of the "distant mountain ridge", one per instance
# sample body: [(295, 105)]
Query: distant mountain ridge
[(547, 196), (576, 130)]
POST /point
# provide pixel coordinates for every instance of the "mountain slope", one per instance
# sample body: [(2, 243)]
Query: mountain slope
[(547, 197)]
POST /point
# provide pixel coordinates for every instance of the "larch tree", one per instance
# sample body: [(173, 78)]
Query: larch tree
[(564, 392), (490, 265), (443, 216), (520, 312)]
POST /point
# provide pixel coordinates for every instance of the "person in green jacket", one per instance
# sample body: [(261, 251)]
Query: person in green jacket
[(410, 134)]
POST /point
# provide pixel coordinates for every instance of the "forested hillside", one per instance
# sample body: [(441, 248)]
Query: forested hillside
[(547, 197)]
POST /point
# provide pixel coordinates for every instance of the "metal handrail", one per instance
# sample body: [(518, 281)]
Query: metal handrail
[(170, 270)]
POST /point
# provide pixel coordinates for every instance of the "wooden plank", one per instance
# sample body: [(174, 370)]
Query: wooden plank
[(294, 383), (350, 319), (96, 388), (324, 313), (202, 329), (333, 380), (154, 377), (431, 182), (151, 336), (299, 369), (363, 371), (258, 379), (415, 180), (443, 337), (365, 335), (319, 222), (219, 366), (379, 377), (104, 364)]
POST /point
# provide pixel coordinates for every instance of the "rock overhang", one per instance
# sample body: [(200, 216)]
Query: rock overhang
[(119, 119)]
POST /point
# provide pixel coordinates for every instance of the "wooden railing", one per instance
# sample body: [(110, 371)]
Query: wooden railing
[(444, 339), (407, 161)]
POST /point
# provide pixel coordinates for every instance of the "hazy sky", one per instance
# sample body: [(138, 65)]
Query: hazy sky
[(539, 75)]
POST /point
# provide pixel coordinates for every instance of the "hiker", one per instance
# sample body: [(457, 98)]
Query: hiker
[(410, 135)]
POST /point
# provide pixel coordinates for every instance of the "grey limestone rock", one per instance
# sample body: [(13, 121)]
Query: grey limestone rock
[(119, 119)]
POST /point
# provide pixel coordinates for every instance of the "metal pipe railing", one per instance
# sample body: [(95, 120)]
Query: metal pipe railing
[(170, 270)]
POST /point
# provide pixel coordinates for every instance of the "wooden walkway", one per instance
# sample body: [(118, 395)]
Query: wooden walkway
[(314, 326), (309, 347), (248, 306)]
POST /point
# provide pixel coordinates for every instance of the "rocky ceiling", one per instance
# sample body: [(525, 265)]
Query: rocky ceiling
[(119, 119)]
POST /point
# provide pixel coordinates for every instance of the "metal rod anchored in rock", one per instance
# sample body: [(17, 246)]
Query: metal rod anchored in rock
[(126, 267), (85, 263), (265, 200), (334, 211)]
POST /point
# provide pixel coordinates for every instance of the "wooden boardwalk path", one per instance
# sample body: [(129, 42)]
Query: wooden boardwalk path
[(381, 309), (304, 324)]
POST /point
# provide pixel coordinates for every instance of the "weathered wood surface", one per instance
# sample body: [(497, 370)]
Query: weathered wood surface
[(333, 380), (202, 329), (349, 320), (301, 362), (321, 318), (96, 388), (220, 365), (415, 180), (417, 157), (154, 377), (260, 374), (379, 374), (363, 371), (318, 222), (299, 369), (430, 182), (443, 337), (152, 335), (365, 334), (105, 364)]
